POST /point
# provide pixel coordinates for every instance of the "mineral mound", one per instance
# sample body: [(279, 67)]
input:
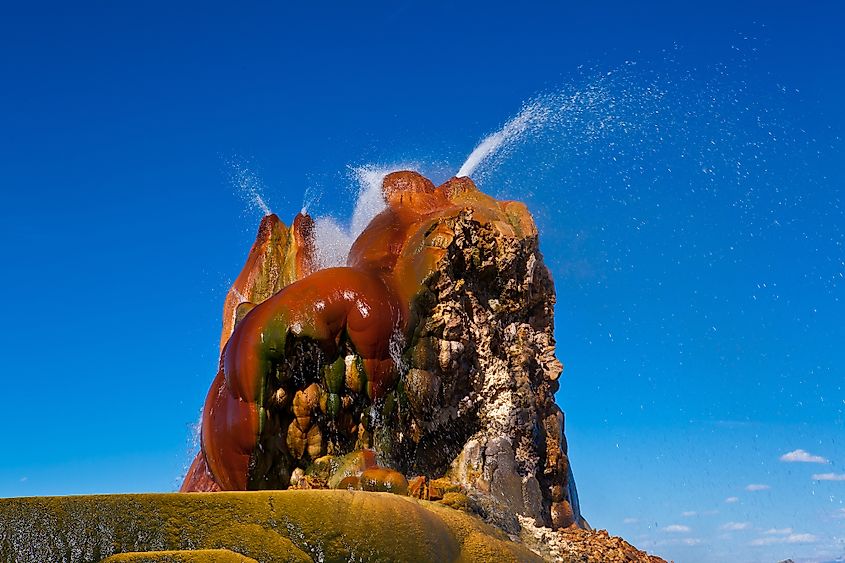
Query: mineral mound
[(424, 368), (433, 350)]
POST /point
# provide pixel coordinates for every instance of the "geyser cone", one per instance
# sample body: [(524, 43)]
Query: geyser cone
[(433, 346)]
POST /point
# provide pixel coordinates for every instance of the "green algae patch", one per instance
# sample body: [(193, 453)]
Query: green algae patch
[(267, 526), (181, 556)]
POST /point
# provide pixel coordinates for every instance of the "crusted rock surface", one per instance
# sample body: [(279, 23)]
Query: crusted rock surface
[(482, 374), (424, 367), (577, 545)]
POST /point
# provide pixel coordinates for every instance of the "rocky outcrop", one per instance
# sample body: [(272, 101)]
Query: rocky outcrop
[(487, 316), (578, 545), (406, 402), (426, 367), (279, 257)]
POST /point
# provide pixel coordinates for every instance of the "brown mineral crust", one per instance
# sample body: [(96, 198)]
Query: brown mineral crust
[(579, 545), (597, 546), (384, 480), (447, 277), (278, 257), (439, 488), (200, 477), (418, 488), (482, 372), (562, 515), (403, 183), (357, 310)]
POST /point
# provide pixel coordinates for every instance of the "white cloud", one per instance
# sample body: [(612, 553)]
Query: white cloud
[(679, 541), (778, 531), (677, 528), (839, 513), (732, 500), (802, 456), (801, 538), (689, 513), (829, 477), (691, 541), (630, 520), (757, 487), (24, 479), (735, 526), (791, 538)]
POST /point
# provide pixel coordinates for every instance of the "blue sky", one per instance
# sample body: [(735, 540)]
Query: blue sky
[(691, 213)]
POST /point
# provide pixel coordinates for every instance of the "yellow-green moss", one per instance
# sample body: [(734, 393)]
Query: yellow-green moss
[(330, 525), (458, 501), (181, 556)]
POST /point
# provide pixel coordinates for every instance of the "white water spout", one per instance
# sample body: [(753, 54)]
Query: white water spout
[(531, 115), (249, 186)]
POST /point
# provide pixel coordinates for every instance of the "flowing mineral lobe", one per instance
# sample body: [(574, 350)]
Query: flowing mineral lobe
[(433, 345)]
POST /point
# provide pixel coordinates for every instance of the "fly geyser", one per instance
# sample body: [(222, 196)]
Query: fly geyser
[(399, 408), (432, 352)]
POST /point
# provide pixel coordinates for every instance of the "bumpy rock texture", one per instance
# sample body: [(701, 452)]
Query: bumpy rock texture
[(434, 347), (494, 426), (425, 367), (577, 545)]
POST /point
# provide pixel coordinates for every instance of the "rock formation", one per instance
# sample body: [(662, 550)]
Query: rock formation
[(424, 370), (433, 347)]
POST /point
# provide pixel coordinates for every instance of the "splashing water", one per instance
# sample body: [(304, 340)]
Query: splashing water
[(585, 112), (396, 346), (192, 446), (309, 199), (333, 240), (655, 176), (532, 115), (249, 186)]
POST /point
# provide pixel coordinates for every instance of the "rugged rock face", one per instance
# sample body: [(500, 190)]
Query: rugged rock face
[(425, 368), (433, 348), (482, 374)]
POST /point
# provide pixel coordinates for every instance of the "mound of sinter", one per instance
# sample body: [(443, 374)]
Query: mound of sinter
[(428, 359)]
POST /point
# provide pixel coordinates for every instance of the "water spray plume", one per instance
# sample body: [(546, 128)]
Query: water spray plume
[(532, 115), (332, 239), (249, 186)]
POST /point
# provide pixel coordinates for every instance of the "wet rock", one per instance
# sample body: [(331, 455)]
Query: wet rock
[(562, 515), (532, 499), (296, 476), (418, 488), (422, 389), (494, 512), (382, 479), (439, 488), (458, 501), (501, 473), (434, 346)]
